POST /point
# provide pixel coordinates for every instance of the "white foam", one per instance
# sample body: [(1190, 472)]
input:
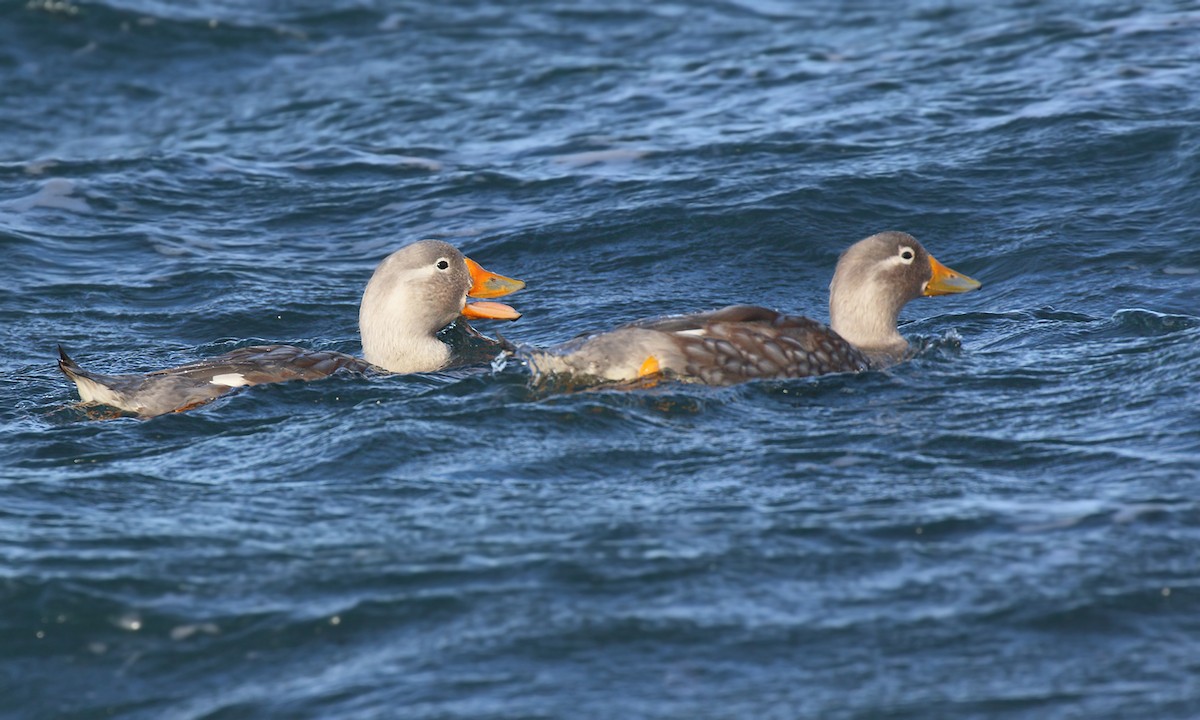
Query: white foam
[(598, 157), (57, 193)]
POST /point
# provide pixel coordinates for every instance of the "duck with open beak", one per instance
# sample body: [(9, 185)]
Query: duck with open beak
[(414, 294), (486, 284)]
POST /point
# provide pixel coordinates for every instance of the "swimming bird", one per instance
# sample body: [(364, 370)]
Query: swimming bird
[(414, 293), (873, 280)]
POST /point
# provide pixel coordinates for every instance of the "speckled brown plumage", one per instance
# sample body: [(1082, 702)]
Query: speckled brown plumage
[(747, 342)]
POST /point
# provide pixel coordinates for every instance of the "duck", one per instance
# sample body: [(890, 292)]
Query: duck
[(874, 278), (414, 294)]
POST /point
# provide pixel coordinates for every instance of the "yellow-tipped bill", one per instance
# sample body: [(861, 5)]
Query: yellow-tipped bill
[(487, 284), (947, 282)]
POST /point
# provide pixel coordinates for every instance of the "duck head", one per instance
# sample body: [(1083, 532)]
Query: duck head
[(415, 292), (878, 276)]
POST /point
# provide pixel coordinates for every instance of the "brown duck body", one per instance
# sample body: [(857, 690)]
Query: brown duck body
[(723, 347), (874, 279)]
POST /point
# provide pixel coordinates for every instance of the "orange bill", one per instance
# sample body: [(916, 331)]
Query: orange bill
[(489, 311), (487, 284), (947, 282)]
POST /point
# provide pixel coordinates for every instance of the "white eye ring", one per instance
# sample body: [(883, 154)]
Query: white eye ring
[(907, 255), (442, 264)]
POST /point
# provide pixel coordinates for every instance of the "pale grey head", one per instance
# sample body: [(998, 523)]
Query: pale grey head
[(875, 278), (415, 292)]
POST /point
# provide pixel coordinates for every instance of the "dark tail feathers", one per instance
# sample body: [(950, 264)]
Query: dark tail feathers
[(69, 367)]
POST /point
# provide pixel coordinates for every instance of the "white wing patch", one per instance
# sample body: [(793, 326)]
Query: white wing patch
[(229, 379), (697, 332)]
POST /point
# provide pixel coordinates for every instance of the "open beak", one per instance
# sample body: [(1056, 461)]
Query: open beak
[(487, 284), (947, 282)]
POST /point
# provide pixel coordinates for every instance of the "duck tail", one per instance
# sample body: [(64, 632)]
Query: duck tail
[(69, 367), (92, 387)]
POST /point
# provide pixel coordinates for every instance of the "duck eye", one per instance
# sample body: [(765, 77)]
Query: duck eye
[(906, 254), (443, 264)]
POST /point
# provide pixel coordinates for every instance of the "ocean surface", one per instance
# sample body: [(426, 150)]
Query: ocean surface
[(1007, 526)]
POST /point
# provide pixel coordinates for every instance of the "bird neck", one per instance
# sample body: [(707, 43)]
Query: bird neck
[(398, 335), (865, 317), (404, 354)]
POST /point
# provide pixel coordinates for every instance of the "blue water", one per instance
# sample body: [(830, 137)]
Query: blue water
[(1006, 526)]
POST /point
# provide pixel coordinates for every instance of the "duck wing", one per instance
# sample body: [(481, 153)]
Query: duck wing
[(260, 364), (748, 342)]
